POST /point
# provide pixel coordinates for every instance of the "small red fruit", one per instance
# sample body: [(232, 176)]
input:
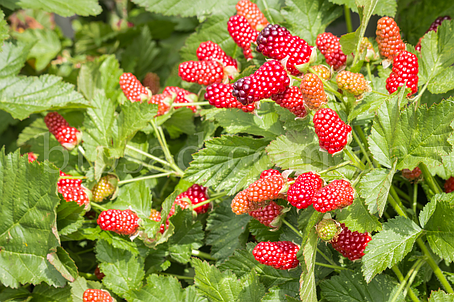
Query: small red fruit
[(337, 195), (302, 191), (405, 70), (413, 174), (68, 137), (280, 255), (220, 96), (265, 189), (269, 172), (31, 157), (211, 51), (123, 222), (196, 194), (267, 214), (332, 132), (330, 47), (163, 101), (449, 185), (78, 194), (201, 72), (313, 92), (66, 182), (182, 96), (104, 188), (388, 38), (291, 99), (351, 244), (100, 275), (96, 295), (252, 13), (133, 89), (152, 82), (241, 203), (242, 33), (322, 71), (354, 83)]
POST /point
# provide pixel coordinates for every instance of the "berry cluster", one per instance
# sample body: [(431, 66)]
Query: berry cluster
[(96, 295), (351, 244), (220, 96), (332, 132), (69, 137), (388, 38), (330, 47), (268, 214), (280, 255), (404, 72), (354, 83), (104, 188), (433, 27), (123, 222)]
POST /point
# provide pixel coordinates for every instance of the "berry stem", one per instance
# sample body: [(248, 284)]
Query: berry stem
[(150, 167), (355, 160), (396, 197), (433, 185), (399, 275), (335, 267), (348, 19), (292, 227), (415, 200), (200, 254), (97, 206), (418, 97), (373, 91), (402, 194), (82, 151), (90, 221), (396, 206), (358, 141), (88, 276), (177, 276), (414, 268), (345, 163), (369, 73), (326, 257), (189, 104), (148, 155), (326, 85), (206, 202), (121, 182)]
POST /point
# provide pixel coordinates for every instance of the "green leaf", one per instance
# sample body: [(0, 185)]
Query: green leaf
[(349, 42), (28, 232), (15, 295), (63, 263), (412, 136), (443, 82), (61, 7), (308, 291), (124, 271), (389, 246), (374, 188), (216, 285), (300, 151), (160, 289), (22, 96), (135, 195), (283, 292), (79, 286), (3, 30), (46, 293), (262, 232), (357, 218), (266, 123), (46, 46), (229, 163), (69, 218), (339, 288), (13, 57), (441, 296), (181, 121), (186, 8), (309, 18), (100, 76), (439, 228), (227, 231), (253, 290)]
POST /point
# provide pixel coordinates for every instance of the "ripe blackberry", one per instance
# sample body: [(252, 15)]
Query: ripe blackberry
[(449, 185), (351, 244), (133, 89), (252, 14), (267, 214), (152, 82), (201, 72), (123, 222), (265, 189), (242, 33), (105, 187), (269, 172), (96, 295), (277, 43), (69, 137), (280, 255), (182, 96), (329, 46), (337, 195), (211, 51), (302, 191), (322, 71), (328, 229), (433, 27), (413, 174), (313, 92), (220, 96), (354, 83), (291, 99), (269, 79), (388, 38), (405, 70), (332, 132)]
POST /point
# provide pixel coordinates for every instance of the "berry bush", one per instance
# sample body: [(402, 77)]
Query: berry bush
[(226, 150)]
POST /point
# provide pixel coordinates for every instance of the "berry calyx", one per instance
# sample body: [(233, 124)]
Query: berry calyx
[(152, 82), (388, 38), (133, 89), (291, 99), (211, 51), (123, 222), (69, 137), (242, 33), (330, 47), (351, 244), (412, 174), (313, 92), (332, 132), (336, 195), (433, 27), (280, 255), (328, 229), (201, 72), (354, 83), (449, 185), (302, 191), (96, 295), (104, 188), (404, 71), (252, 14), (220, 96), (265, 189), (267, 214)]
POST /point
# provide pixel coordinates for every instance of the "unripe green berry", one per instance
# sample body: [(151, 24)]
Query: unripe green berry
[(327, 229)]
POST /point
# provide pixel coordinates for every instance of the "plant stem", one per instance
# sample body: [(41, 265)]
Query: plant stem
[(348, 19), (358, 141), (84, 251), (292, 228), (82, 151), (413, 269), (189, 104), (177, 276), (206, 201), (402, 194), (325, 257), (148, 155), (357, 163), (90, 221), (433, 185), (97, 206), (336, 267), (369, 73), (399, 275), (88, 276), (202, 255), (415, 200), (373, 91), (121, 182), (396, 207), (150, 167), (396, 197), (345, 163), (418, 97)]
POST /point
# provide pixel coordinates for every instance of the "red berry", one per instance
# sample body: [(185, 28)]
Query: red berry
[(31, 157), (96, 295), (337, 195), (405, 70), (302, 191), (433, 27), (280, 255), (242, 33), (313, 92), (132, 88), (332, 132), (269, 79), (79, 194), (354, 83), (211, 51), (388, 38), (68, 137), (241, 203), (276, 42), (269, 172), (152, 82), (329, 46), (196, 194), (351, 244), (201, 72), (449, 185), (265, 189), (182, 96), (65, 182), (267, 214), (328, 229), (291, 99), (413, 174), (123, 222), (105, 187), (220, 96), (156, 216), (100, 275), (162, 100), (252, 13)]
